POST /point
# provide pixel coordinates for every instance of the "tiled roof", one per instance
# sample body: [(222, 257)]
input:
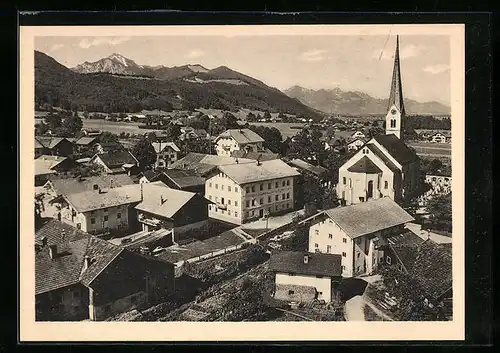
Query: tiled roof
[(93, 200), (75, 185), (182, 178), (244, 173), (69, 266), (44, 166), (262, 156), (160, 146), (173, 200), (368, 217), (203, 163), (315, 169), (382, 157), (364, 165), (318, 264), (48, 141), (242, 136), (85, 141), (117, 158), (397, 148), (405, 246)]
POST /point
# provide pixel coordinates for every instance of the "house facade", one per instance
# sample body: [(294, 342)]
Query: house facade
[(238, 139), (166, 153), (305, 277), (439, 138), (243, 192), (355, 233), (355, 144), (358, 134), (54, 146), (80, 277), (116, 162)]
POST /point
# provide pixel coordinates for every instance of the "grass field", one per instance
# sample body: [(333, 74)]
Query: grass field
[(432, 149)]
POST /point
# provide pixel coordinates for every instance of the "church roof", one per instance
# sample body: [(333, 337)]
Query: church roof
[(364, 165), (397, 148), (396, 95), (387, 161)]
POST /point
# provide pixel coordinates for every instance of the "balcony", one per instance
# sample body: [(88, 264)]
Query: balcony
[(149, 221), (221, 206)]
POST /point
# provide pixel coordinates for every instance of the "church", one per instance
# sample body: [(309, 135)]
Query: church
[(384, 166)]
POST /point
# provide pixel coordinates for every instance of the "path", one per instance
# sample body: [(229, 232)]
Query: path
[(438, 238), (353, 310)]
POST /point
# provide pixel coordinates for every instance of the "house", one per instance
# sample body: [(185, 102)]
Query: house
[(439, 138), (356, 144), (54, 146), (108, 146), (166, 153), (60, 186), (48, 166), (316, 171), (116, 162), (358, 134), (80, 277), (238, 139), (180, 179), (203, 163), (439, 183), (332, 143), (165, 208), (247, 191), (355, 232), (91, 132), (304, 276), (194, 134), (84, 143), (428, 263)]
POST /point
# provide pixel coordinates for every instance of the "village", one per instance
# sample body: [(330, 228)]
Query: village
[(221, 216)]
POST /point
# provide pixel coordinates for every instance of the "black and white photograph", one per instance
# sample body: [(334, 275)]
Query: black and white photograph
[(244, 175)]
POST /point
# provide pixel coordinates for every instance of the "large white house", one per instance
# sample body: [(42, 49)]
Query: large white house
[(385, 165), (166, 153), (242, 192), (355, 232), (236, 140)]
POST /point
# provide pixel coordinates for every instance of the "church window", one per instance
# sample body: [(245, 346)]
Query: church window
[(386, 185), (344, 180)]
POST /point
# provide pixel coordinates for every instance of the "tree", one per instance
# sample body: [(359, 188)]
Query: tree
[(72, 125), (272, 137), (173, 131), (440, 212), (229, 121), (54, 121), (267, 115), (201, 122), (145, 153)]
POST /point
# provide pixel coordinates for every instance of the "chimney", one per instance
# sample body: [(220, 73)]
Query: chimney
[(162, 200), (63, 234), (111, 184), (96, 187), (53, 251), (86, 263), (306, 258), (44, 241)]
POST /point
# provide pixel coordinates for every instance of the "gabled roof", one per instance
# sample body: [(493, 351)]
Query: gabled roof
[(46, 164), (362, 139), (156, 192), (68, 267), (318, 264), (364, 165), (245, 173), (262, 156), (117, 158), (85, 141), (314, 169), (203, 163), (181, 178), (387, 161), (48, 141), (366, 217), (397, 148), (75, 185), (242, 136), (160, 146), (404, 245)]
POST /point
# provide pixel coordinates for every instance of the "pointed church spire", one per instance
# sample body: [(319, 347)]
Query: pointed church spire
[(396, 96)]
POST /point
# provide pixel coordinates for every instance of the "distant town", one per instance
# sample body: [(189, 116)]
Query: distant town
[(237, 213)]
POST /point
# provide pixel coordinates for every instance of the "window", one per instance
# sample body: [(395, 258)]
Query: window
[(216, 199), (216, 186), (92, 221), (253, 188), (282, 205), (210, 197), (287, 195), (358, 255), (228, 212), (105, 218), (236, 214), (277, 185), (344, 180), (350, 182), (253, 202), (328, 249), (291, 292), (283, 183), (228, 202), (386, 184), (269, 186), (400, 267), (222, 187), (261, 201), (247, 190), (248, 203), (316, 232), (344, 240), (261, 187), (252, 213), (344, 254), (235, 189), (228, 188), (105, 210), (388, 260), (287, 205), (222, 200), (319, 277), (316, 245), (269, 199), (343, 268), (362, 199), (288, 183), (223, 212), (209, 185), (283, 196), (236, 203), (330, 236), (357, 269), (276, 197), (216, 210)]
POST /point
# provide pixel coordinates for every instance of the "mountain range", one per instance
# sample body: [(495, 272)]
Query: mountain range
[(337, 101)]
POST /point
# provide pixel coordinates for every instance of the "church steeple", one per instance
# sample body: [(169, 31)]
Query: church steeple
[(395, 109)]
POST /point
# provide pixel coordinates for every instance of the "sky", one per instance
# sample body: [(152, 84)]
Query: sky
[(348, 62)]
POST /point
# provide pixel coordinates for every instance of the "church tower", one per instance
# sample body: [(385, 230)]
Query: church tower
[(396, 109)]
